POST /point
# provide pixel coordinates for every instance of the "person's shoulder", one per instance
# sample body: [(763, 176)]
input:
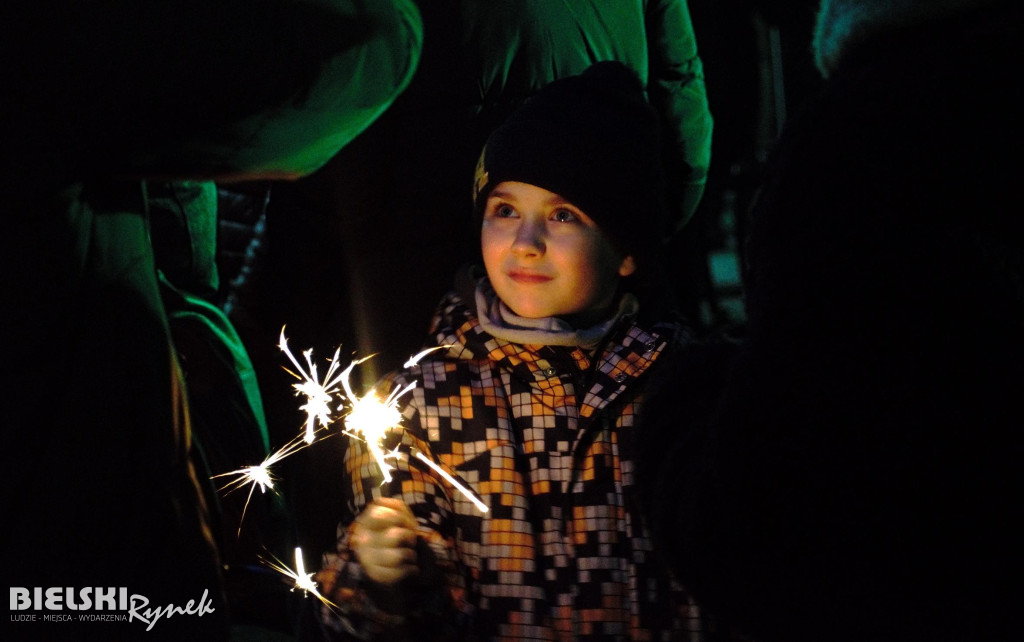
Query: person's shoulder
[(456, 321), (673, 328), (649, 342), (459, 302)]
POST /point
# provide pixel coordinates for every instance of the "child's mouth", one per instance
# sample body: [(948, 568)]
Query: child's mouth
[(528, 277)]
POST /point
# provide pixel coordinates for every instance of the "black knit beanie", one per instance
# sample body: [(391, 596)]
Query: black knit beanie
[(594, 140)]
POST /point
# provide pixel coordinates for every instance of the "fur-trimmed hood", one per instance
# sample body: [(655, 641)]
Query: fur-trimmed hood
[(843, 23)]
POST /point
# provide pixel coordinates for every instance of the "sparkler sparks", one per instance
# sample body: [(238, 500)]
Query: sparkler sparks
[(368, 417), (319, 394), (371, 419), (414, 359), (259, 475), (454, 482), (303, 580)]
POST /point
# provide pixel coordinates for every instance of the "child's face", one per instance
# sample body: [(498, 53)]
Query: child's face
[(546, 258)]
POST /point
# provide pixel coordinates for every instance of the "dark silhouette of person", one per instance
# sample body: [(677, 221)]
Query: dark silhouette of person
[(849, 470), (101, 489)]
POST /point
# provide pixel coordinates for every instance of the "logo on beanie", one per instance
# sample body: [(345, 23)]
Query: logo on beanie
[(480, 176)]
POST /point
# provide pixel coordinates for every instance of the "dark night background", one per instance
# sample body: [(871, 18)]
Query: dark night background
[(886, 353)]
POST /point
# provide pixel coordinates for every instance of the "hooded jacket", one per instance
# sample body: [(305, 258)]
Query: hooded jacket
[(545, 437)]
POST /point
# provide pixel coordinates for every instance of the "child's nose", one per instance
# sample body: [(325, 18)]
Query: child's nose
[(529, 239)]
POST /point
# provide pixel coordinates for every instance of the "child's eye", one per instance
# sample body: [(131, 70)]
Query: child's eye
[(504, 211), (564, 216)]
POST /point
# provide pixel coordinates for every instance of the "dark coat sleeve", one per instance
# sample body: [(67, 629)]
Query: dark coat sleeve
[(260, 89), (676, 89)]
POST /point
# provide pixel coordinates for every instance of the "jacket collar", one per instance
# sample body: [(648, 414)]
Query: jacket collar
[(501, 322), (626, 353)]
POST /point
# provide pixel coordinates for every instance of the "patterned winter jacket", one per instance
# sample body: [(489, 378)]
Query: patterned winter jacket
[(544, 435)]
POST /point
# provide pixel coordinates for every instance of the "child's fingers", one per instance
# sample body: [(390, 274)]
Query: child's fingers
[(383, 514), (390, 558), (378, 520), (387, 565), (398, 537), (384, 541), (394, 503), (388, 537), (388, 575), (400, 507)]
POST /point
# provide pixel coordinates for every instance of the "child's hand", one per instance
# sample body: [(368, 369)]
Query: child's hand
[(384, 541)]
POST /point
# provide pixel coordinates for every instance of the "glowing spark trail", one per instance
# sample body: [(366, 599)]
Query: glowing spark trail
[(303, 580), (319, 394), (414, 359), (454, 482)]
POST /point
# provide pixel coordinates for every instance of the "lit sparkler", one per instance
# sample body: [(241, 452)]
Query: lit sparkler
[(370, 419), (259, 475), (303, 580), (319, 394)]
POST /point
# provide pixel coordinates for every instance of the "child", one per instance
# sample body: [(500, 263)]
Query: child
[(531, 403)]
